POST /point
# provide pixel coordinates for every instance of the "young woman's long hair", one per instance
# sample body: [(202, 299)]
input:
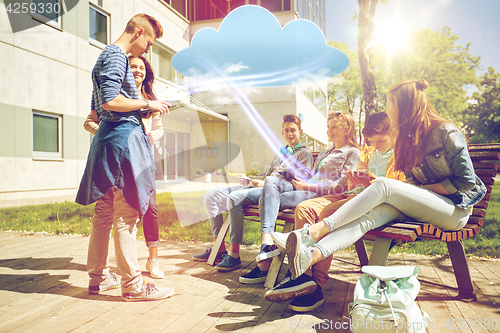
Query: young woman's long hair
[(347, 120), (147, 85), (416, 118)]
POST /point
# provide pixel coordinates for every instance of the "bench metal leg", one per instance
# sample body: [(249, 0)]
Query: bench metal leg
[(381, 248), (275, 268), (218, 242), (362, 254), (461, 269)]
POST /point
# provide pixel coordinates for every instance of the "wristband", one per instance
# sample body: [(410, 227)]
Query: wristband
[(147, 104)]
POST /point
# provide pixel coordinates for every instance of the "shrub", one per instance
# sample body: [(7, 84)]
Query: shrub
[(253, 172)]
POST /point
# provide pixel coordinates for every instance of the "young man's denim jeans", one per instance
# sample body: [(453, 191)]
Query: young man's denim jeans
[(270, 202), (232, 199)]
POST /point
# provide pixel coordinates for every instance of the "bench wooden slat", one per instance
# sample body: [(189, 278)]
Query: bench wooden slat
[(478, 212), (486, 172), (484, 147), (481, 204), (484, 165), (472, 227), (487, 180), (476, 221), (394, 233), (489, 188), (484, 155)]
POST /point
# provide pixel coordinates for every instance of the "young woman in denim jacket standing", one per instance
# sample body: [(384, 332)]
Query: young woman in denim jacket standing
[(440, 188)]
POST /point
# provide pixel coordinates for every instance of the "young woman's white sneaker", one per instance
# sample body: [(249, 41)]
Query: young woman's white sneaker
[(153, 266), (280, 238), (299, 255)]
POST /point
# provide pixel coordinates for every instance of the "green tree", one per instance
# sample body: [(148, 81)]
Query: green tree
[(366, 16), (437, 57), (482, 117), (345, 91)]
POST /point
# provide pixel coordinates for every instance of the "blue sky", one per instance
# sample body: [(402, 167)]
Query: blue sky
[(474, 21), (251, 48)]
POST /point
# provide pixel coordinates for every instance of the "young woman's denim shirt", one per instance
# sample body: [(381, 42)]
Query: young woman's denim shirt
[(335, 163), (447, 161)]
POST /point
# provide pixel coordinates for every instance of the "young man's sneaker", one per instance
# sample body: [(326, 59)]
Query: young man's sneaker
[(299, 255), (266, 252), (112, 282), (153, 266), (228, 263), (204, 256), (289, 289), (308, 302), (148, 292), (254, 276)]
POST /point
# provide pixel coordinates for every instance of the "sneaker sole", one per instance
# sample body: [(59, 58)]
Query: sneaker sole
[(306, 308), (278, 242), (202, 260), (252, 281), (97, 292), (142, 299), (286, 294), (155, 276), (205, 260), (267, 255), (227, 269), (291, 251)]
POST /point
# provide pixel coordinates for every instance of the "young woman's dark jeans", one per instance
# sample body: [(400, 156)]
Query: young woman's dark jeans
[(150, 223)]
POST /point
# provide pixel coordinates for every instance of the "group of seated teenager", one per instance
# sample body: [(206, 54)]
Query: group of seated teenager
[(417, 167)]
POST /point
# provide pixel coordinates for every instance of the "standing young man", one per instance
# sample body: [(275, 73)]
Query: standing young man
[(118, 174)]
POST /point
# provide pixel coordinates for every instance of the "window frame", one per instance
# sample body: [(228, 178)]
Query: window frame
[(45, 155), (157, 68), (100, 10), (44, 19)]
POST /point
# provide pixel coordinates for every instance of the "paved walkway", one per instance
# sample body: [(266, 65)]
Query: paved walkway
[(43, 288)]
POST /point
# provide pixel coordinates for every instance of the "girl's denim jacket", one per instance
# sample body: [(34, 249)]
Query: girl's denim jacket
[(447, 161)]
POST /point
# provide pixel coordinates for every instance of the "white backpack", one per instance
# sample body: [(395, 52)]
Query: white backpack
[(384, 301)]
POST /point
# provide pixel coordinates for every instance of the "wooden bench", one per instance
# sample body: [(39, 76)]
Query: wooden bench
[(395, 233)]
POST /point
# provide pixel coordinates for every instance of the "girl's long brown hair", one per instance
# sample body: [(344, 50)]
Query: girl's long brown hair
[(348, 120), (416, 118), (147, 85)]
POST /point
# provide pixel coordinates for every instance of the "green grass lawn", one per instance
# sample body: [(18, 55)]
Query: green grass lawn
[(71, 218)]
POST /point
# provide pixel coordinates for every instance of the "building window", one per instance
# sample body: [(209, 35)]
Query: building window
[(47, 11), (317, 96), (275, 5), (161, 61), (47, 135), (98, 26), (311, 143), (178, 5), (208, 9)]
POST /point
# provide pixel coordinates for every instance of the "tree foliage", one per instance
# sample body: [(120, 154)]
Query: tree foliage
[(433, 55), (437, 57), (345, 91), (482, 117)]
